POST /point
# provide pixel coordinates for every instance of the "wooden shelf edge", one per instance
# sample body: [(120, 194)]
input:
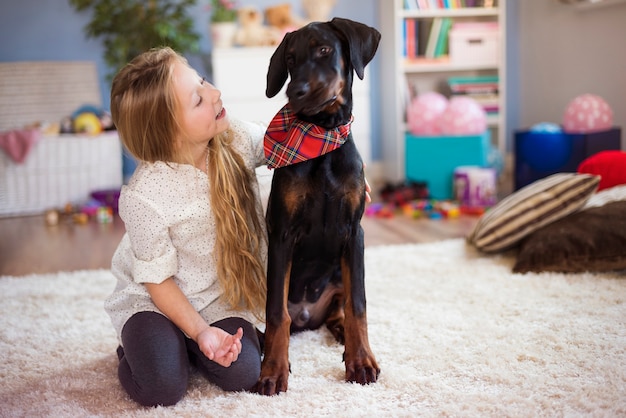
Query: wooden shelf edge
[(443, 64)]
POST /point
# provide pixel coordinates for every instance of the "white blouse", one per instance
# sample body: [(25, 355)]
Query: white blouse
[(170, 232)]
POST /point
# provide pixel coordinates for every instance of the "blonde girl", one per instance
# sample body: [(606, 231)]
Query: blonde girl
[(191, 267)]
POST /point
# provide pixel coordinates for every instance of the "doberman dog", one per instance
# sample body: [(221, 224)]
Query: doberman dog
[(315, 258)]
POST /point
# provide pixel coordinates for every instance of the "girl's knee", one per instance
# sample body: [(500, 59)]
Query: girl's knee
[(157, 390), (239, 379), (244, 373)]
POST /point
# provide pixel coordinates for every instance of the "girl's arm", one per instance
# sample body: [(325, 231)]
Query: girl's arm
[(215, 343), (249, 142)]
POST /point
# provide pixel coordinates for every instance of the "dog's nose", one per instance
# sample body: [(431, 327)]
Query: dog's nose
[(300, 90)]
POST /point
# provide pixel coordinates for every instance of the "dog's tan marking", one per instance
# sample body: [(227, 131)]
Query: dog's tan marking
[(355, 197), (293, 199), (336, 318), (361, 365), (275, 367)]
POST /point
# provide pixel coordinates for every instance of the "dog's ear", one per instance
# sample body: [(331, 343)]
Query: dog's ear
[(362, 39), (277, 72)]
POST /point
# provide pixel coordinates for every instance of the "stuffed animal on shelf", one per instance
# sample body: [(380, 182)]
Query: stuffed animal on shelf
[(282, 18), (252, 31)]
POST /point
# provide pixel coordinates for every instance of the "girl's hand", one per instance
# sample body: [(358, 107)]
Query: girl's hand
[(215, 343), (368, 189), (220, 346)]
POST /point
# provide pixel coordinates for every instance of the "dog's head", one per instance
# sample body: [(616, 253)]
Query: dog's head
[(320, 58)]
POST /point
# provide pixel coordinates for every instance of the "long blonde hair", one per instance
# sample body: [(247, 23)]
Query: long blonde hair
[(143, 108)]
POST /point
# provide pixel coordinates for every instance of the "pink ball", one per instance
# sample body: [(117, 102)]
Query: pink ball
[(464, 116), (587, 113), (423, 112)]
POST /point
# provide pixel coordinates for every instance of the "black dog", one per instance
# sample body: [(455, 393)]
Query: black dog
[(315, 267)]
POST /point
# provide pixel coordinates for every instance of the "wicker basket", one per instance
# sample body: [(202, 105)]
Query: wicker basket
[(59, 169)]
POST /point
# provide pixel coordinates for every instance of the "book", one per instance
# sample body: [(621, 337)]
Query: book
[(441, 47), (482, 88), (404, 30), (433, 37), (473, 79), (411, 38)]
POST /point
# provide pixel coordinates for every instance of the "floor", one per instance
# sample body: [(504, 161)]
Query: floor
[(29, 246)]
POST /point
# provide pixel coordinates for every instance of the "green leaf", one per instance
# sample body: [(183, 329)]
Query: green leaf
[(130, 27)]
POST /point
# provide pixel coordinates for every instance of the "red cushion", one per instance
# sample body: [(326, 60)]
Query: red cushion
[(610, 165)]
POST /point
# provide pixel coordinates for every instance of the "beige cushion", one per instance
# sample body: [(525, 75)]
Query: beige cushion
[(530, 208)]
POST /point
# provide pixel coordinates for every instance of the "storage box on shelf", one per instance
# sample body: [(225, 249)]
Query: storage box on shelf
[(540, 154), (433, 159), (475, 44), (406, 75)]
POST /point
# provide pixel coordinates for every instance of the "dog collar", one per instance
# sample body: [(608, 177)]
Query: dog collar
[(289, 140)]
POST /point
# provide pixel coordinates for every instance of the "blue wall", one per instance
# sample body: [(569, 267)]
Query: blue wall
[(35, 30)]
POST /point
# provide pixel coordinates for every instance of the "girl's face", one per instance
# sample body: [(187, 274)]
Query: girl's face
[(200, 112)]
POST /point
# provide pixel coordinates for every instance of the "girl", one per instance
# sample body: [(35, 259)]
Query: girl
[(191, 267)]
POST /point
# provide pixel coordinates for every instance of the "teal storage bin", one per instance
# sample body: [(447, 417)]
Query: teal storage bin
[(432, 159)]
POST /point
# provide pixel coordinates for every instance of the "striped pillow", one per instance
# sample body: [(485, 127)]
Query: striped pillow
[(530, 208)]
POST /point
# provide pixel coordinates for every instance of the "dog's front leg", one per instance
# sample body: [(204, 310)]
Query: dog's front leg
[(275, 366), (361, 365)]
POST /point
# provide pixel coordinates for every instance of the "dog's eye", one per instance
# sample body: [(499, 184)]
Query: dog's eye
[(290, 60), (323, 51)]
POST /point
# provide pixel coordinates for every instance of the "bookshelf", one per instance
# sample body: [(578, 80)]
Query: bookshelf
[(405, 75)]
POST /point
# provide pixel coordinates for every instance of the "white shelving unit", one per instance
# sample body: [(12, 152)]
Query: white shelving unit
[(428, 75)]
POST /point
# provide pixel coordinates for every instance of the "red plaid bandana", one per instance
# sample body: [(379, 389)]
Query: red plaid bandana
[(291, 141)]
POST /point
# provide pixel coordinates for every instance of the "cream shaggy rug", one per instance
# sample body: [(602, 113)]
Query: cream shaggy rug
[(455, 334)]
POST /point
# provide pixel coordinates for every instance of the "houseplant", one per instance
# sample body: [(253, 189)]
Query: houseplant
[(130, 27), (223, 11), (223, 22)]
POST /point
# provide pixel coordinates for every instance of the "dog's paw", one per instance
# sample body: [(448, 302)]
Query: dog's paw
[(273, 379), (362, 370), (271, 385)]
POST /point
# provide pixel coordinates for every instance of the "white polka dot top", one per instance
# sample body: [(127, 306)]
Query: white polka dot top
[(170, 231)]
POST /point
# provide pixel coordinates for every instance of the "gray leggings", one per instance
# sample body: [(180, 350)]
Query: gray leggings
[(155, 360)]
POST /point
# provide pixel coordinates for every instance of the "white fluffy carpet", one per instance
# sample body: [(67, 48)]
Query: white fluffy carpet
[(455, 334)]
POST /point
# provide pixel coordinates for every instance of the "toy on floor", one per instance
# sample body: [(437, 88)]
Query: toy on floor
[(379, 210), (69, 214), (101, 206), (104, 215), (431, 209), (404, 192), (415, 209), (411, 199)]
